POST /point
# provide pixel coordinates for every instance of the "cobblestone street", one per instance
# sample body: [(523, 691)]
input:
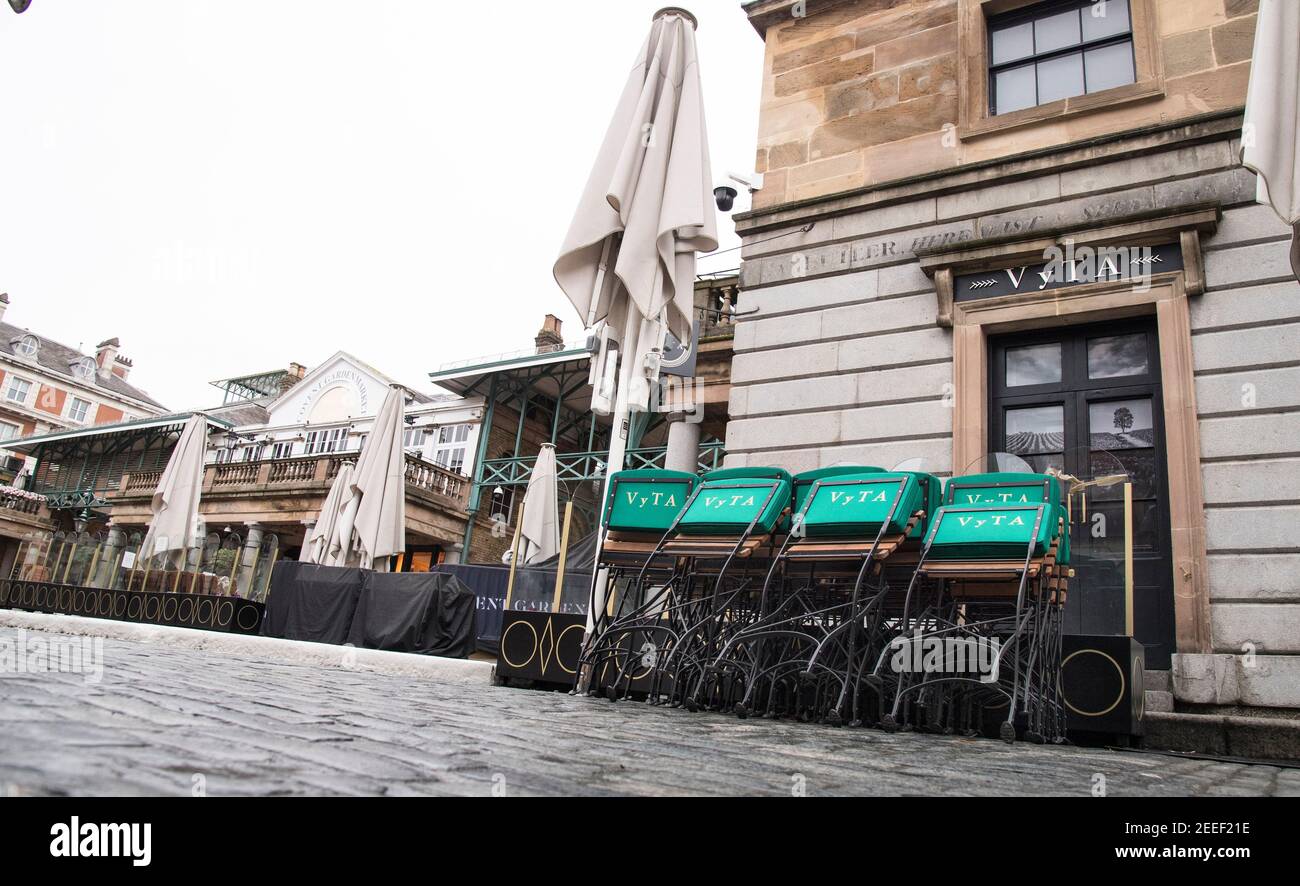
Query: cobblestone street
[(164, 721)]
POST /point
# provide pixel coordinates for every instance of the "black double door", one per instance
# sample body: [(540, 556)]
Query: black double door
[(1087, 400)]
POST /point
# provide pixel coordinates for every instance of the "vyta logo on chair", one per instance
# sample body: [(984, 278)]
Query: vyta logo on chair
[(653, 499), (90, 840)]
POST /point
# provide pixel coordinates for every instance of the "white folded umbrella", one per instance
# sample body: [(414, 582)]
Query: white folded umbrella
[(175, 502), (646, 211), (541, 526), (372, 524), (1271, 134), (316, 549)]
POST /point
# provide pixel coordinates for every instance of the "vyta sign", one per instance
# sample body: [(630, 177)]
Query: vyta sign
[(1072, 266)]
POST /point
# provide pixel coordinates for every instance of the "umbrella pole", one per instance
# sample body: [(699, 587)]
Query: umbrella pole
[(564, 556), (617, 447), (514, 559)]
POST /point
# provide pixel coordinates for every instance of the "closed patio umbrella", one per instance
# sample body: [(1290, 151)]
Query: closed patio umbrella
[(1271, 132), (372, 525), (316, 549), (541, 525), (175, 502), (646, 210)]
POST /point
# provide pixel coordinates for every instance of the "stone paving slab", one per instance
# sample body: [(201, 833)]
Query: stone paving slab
[(168, 720)]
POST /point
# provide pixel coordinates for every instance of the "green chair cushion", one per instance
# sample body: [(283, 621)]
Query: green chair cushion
[(1003, 489), (727, 507), (803, 484), (992, 532), (857, 505), (647, 500)]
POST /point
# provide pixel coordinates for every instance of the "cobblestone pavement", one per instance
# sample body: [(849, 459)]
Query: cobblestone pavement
[(165, 720)]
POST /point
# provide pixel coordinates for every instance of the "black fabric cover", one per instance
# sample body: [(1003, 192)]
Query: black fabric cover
[(312, 603), (424, 613)]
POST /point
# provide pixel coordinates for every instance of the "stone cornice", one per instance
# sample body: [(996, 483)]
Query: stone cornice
[(1105, 149)]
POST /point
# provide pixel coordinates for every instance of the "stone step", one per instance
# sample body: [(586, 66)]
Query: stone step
[(1158, 681), (1159, 701), (1254, 738)]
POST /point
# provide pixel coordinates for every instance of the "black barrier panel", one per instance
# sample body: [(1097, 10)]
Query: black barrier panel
[(208, 613), (541, 646), (1103, 685), (534, 592)]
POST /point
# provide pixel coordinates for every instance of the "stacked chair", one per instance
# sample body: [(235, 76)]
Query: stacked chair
[(986, 603), (697, 583), (752, 591), (830, 594)]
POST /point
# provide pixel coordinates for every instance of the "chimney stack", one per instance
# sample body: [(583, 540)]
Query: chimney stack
[(4, 304), (297, 372), (549, 338), (106, 356), (122, 367)]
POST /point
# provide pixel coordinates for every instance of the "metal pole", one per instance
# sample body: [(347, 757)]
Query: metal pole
[(617, 450), (476, 490), (564, 556), (514, 560), (1128, 558)]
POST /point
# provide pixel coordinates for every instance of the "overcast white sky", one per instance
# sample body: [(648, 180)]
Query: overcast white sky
[(229, 187)]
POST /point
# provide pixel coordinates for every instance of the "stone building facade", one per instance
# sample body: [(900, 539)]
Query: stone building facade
[(893, 262)]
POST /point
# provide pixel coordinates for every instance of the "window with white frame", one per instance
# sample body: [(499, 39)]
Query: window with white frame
[(28, 346), (85, 369), (452, 448), (253, 452), (326, 440), (413, 439), (283, 449), (226, 454), (17, 389), (78, 410), (9, 431)]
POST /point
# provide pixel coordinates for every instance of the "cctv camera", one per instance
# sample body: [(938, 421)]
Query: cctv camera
[(725, 195), (20, 5)]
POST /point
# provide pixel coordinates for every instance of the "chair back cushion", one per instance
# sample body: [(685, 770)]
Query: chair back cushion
[(993, 532), (858, 505), (1003, 489), (647, 500), (727, 507)]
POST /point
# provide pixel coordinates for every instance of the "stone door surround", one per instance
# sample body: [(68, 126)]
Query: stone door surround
[(972, 322)]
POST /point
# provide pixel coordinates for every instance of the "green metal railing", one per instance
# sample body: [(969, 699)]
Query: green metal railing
[(580, 466)]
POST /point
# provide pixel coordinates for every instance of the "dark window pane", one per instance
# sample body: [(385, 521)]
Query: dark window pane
[(1121, 424), (1104, 527), (1041, 464), (1117, 356), (1055, 32), (1138, 464), (1034, 365), (1110, 66), (1013, 43), (1035, 430), (1015, 89), (1105, 19), (1060, 78)]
